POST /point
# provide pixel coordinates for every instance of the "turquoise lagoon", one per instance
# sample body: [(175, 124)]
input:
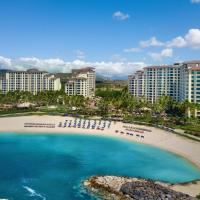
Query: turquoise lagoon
[(52, 167)]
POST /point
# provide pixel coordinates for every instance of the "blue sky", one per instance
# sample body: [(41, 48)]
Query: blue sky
[(116, 36)]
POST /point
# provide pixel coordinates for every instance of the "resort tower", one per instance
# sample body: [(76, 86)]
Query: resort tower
[(81, 82), (180, 81), (31, 80)]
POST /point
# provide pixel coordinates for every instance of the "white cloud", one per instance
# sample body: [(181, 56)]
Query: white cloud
[(45, 64), (178, 42), (151, 42), (132, 50), (195, 1), (120, 15), (5, 61), (165, 53), (116, 68), (118, 58), (80, 54), (191, 39)]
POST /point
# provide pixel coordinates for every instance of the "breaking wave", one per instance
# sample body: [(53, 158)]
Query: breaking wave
[(33, 193)]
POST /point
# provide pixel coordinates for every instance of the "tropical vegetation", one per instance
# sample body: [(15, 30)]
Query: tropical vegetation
[(115, 104)]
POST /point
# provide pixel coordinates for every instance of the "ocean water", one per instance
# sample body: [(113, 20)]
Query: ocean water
[(52, 167)]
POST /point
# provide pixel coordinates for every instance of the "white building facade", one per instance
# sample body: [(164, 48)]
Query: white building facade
[(155, 81), (136, 84), (31, 80), (190, 83), (161, 80), (180, 81), (81, 82)]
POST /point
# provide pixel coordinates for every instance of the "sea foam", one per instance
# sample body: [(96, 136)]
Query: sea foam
[(33, 193)]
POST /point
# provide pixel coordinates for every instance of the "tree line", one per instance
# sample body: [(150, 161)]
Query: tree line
[(110, 102), (44, 98)]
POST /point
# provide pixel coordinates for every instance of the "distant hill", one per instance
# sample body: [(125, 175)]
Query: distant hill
[(102, 82), (63, 76), (100, 78), (111, 84)]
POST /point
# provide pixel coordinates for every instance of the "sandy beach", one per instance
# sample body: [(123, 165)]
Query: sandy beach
[(163, 139), (184, 147)]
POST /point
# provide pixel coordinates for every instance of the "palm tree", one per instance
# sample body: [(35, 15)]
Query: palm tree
[(161, 105), (103, 107), (188, 108)]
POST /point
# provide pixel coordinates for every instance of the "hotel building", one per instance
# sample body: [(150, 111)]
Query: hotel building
[(81, 82), (180, 81), (136, 84), (161, 80), (155, 81), (31, 80), (190, 83)]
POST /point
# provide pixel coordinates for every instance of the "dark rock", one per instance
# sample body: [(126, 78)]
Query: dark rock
[(148, 190), (122, 188)]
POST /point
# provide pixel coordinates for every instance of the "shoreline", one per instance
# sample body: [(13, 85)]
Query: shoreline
[(161, 139), (179, 145), (127, 188)]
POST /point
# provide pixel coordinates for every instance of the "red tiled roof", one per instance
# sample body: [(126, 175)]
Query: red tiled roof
[(160, 66), (195, 68), (86, 69), (192, 62)]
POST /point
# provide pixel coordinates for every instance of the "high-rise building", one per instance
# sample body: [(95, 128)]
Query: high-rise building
[(31, 80), (155, 81), (180, 81), (81, 82), (136, 84), (161, 80), (190, 83)]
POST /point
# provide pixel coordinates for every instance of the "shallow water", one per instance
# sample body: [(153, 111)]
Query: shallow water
[(52, 167)]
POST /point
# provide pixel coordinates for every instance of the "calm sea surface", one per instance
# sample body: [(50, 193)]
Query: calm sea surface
[(52, 167)]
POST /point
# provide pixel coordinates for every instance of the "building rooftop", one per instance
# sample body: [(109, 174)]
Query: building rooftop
[(192, 62), (195, 68), (33, 70), (83, 70), (139, 72), (131, 76), (160, 66), (193, 65), (76, 78), (29, 71)]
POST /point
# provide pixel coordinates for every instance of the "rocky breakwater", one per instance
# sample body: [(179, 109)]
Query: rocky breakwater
[(122, 188)]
